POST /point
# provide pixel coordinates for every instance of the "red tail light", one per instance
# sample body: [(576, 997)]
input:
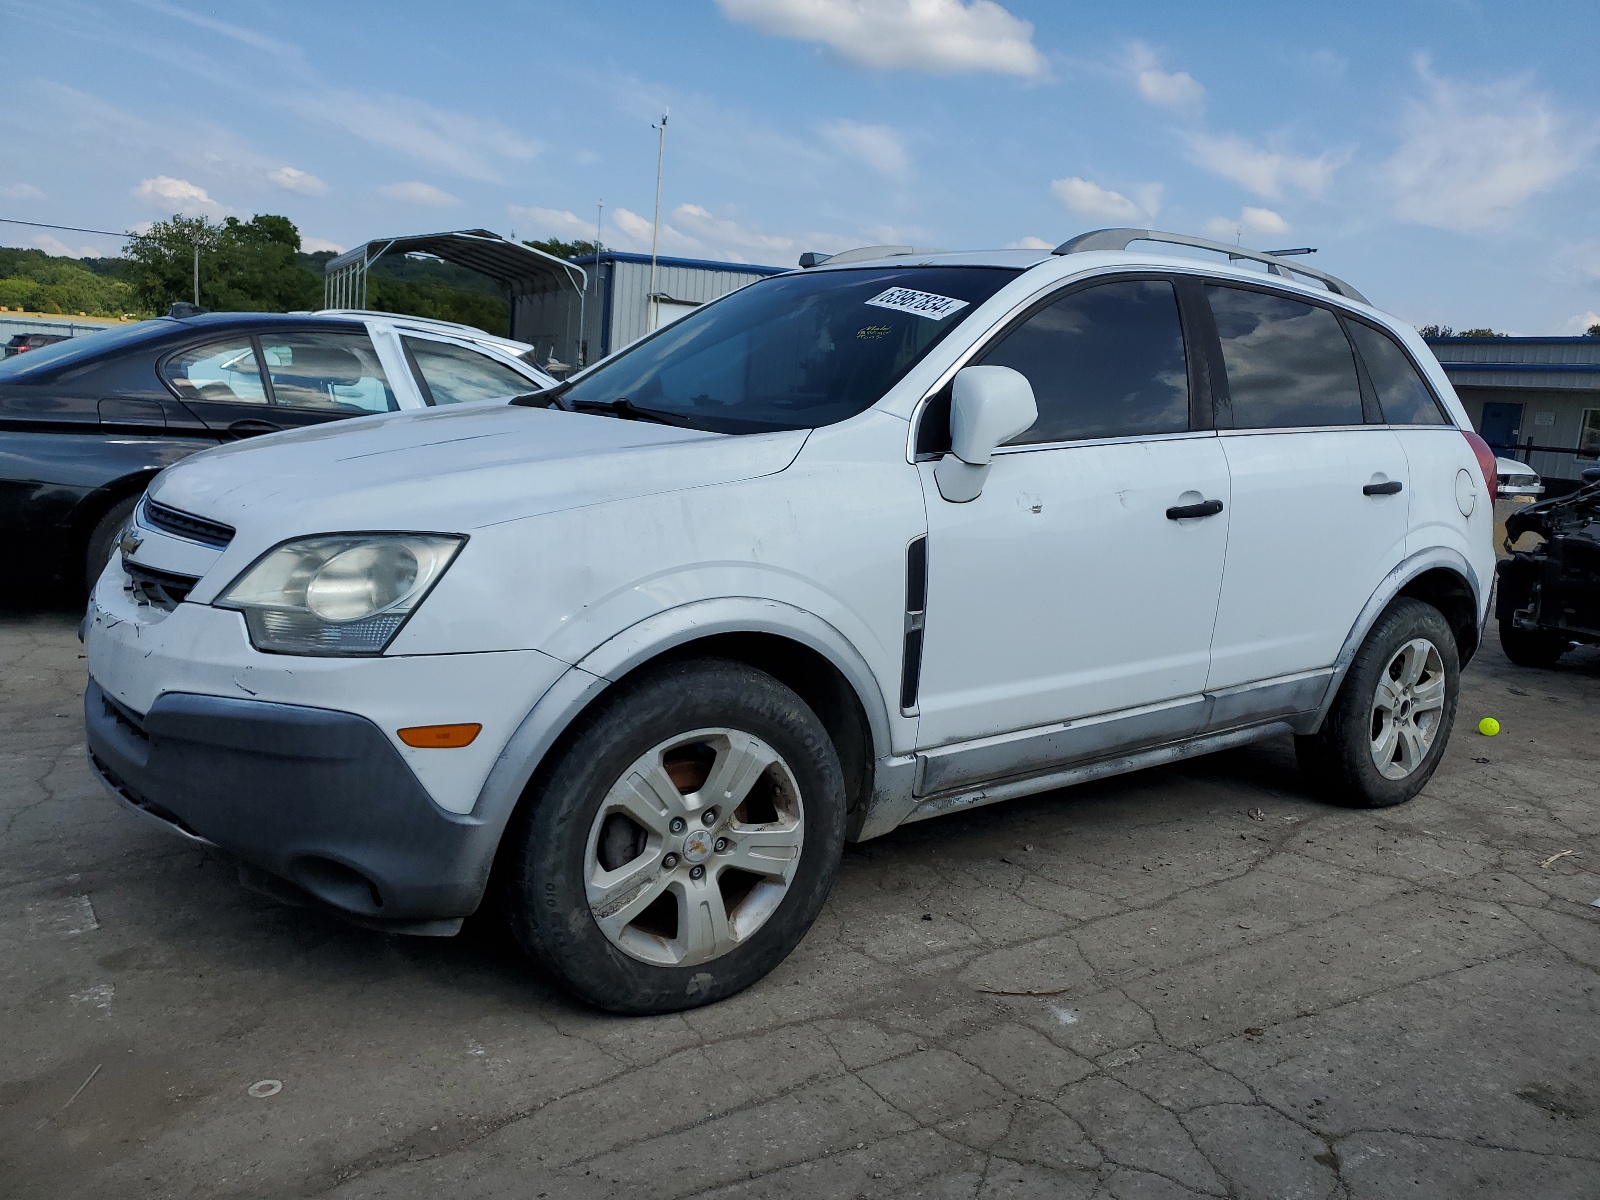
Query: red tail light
[(1491, 473)]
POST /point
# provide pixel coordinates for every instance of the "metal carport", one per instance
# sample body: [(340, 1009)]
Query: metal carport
[(536, 283)]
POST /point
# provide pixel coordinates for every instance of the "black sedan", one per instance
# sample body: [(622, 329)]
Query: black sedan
[(85, 424)]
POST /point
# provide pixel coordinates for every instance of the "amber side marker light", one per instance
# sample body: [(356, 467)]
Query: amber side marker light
[(439, 737)]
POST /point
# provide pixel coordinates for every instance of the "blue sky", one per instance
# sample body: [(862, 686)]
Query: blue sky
[(1442, 155)]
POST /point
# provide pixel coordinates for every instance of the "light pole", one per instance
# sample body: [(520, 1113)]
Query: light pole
[(655, 233)]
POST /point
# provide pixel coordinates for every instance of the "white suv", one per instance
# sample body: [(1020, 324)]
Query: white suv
[(853, 546)]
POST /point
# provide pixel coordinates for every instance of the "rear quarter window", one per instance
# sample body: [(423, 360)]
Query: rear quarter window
[(1289, 364), (1403, 395)]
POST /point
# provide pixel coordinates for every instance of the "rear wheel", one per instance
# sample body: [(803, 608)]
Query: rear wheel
[(683, 843), (1387, 729), (103, 539), (1530, 647)]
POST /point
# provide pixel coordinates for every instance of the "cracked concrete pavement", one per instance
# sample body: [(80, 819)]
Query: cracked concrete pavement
[(1194, 981)]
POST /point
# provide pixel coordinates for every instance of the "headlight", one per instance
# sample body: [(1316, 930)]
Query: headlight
[(344, 594)]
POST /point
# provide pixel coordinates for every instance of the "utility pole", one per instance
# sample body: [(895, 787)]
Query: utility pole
[(653, 311), (197, 272)]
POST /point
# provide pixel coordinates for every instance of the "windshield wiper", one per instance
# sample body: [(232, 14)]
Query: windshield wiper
[(549, 397), (628, 411)]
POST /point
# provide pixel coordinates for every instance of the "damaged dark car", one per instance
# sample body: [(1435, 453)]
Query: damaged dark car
[(1549, 595)]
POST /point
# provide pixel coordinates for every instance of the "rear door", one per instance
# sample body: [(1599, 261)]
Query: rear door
[(1320, 486), (244, 384)]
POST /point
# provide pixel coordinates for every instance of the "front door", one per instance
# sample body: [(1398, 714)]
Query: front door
[(1320, 500), (1066, 589)]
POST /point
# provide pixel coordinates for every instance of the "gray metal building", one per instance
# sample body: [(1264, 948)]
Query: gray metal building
[(617, 307), (1533, 398)]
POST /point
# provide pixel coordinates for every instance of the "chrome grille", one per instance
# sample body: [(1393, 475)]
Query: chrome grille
[(186, 525)]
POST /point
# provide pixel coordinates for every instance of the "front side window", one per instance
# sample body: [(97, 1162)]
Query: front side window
[(791, 352), (452, 374), (1106, 361), (223, 371), (1289, 364), (1589, 433), (1402, 395), (327, 370)]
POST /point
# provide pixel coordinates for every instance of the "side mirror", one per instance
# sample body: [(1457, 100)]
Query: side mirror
[(988, 407)]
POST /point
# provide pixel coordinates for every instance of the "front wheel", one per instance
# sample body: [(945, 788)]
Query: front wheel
[(683, 842), (1387, 729)]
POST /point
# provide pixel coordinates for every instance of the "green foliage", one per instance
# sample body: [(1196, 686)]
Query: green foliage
[(562, 249), (1428, 331), (1479, 333), (245, 266), (1592, 331), (39, 282)]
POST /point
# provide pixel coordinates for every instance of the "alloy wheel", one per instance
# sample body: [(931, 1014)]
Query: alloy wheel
[(694, 847), (1407, 708)]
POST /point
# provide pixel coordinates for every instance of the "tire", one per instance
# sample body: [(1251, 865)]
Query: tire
[(616, 887), (103, 539), (1378, 748), (1530, 647)]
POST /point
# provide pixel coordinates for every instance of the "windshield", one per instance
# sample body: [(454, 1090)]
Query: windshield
[(791, 352), (83, 346)]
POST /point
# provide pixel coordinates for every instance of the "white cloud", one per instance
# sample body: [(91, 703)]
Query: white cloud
[(178, 195), (54, 245), (418, 193), (1251, 222), (1169, 89), (294, 180), (552, 223), (1583, 321), (1265, 172), (20, 191), (940, 36), (1470, 156), (1092, 200), (1030, 243), (875, 146), (313, 245), (463, 145)]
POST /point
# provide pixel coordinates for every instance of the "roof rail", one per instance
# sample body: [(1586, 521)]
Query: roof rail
[(812, 258), (1121, 239)]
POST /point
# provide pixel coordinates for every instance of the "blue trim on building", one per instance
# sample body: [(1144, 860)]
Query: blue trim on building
[(702, 264), (1512, 341), (1531, 368)]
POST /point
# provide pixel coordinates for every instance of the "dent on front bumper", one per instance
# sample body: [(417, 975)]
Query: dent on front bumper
[(316, 797)]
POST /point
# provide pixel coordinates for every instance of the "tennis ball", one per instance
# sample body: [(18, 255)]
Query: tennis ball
[(1488, 727)]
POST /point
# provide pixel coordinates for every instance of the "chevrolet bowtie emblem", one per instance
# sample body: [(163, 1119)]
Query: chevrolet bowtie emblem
[(130, 543)]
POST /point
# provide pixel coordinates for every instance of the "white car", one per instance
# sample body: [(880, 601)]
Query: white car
[(853, 546), (1517, 479)]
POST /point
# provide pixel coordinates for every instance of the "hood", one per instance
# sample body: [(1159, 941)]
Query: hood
[(454, 470)]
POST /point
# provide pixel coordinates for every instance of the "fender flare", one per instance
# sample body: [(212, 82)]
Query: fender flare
[(1404, 572), (553, 713)]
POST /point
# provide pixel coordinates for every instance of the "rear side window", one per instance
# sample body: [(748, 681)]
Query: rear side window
[(327, 370), (1402, 395), (224, 371), (453, 374), (1107, 361), (1289, 364)]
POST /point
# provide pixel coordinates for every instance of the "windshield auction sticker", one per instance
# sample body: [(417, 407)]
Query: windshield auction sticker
[(923, 304)]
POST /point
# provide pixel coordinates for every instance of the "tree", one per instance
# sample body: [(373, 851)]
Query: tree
[(1593, 331), (1436, 331), (562, 249), (1480, 333), (245, 266)]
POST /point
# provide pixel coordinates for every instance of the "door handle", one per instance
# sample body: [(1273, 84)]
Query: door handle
[(1206, 508), (1382, 489), (252, 426)]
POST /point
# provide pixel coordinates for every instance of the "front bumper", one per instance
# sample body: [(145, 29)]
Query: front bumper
[(295, 764), (316, 797)]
